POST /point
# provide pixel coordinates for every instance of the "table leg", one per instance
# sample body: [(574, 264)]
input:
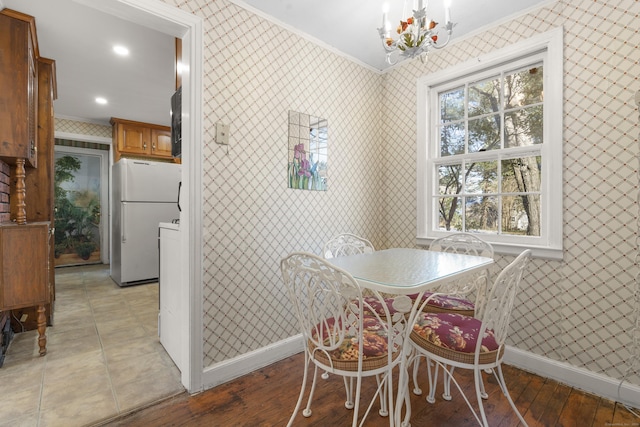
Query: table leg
[(403, 396), (42, 327)]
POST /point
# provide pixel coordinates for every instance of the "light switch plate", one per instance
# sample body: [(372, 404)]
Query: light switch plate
[(222, 133)]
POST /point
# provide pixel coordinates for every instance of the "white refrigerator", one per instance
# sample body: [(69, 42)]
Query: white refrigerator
[(145, 193)]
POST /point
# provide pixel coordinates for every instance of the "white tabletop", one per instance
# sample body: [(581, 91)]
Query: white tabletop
[(407, 271)]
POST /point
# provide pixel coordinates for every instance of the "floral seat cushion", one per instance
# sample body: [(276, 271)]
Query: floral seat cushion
[(446, 303), (454, 336), (374, 343), (373, 303)]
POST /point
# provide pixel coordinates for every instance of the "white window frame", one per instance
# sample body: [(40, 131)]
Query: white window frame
[(548, 47)]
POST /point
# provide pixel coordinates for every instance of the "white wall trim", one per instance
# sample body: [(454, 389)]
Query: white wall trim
[(580, 378), (246, 363)]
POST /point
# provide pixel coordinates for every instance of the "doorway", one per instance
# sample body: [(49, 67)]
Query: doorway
[(80, 200)]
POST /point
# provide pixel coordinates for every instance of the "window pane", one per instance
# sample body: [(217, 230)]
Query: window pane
[(521, 175), (521, 215), (484, 97), (452, 105), (482, 177), (481, 214), (484, 134), (452, 139), (523, 127), (523, 87), (449, 179), (450, 214)]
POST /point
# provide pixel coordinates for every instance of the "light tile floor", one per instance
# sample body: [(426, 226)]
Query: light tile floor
[(103, 357)]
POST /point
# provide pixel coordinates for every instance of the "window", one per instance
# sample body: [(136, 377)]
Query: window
[(490, 148)]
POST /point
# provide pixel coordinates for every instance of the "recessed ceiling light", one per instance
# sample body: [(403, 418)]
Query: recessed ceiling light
[(121, 50), (101, 101)]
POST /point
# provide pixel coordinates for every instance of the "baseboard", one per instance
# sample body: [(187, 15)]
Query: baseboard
[(233, 368), (582, 379)]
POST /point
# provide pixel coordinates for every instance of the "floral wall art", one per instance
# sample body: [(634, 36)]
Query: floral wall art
[(307, 153)]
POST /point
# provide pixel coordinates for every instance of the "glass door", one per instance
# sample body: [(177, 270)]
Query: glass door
[(80, 190)]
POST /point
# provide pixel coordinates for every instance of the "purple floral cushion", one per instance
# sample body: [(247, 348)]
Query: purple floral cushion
[(446, 302), (453, 331), (374, 343), (378, 307)]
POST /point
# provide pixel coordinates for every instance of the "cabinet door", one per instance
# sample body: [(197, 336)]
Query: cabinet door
[(24, 258), (18, 88), (161, 142), (134, 139)]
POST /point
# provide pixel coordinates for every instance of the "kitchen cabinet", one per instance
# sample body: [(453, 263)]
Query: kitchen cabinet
[(18, 88), (141, 140), (24, 270)]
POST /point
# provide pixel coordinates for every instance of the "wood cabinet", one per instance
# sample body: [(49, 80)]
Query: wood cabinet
[(24, 270), (141, 140), (18, 88), (27, 92)]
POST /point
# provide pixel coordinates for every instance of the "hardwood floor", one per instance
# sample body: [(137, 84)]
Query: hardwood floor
[(266, 398)]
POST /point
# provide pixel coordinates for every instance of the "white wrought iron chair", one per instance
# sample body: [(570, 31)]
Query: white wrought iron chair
[(346, 244), (454, 297), (338, 337), (450, 339)]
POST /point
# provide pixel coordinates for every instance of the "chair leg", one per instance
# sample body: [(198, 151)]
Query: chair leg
[(431, 398), (477, 377), (483, 393), (302, 387), (416, 365), (446, 382), (503, 386), (348, 388), (356, 402), (384, 390)]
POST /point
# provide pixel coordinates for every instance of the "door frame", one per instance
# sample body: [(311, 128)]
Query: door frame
[(105, 185), (176, 22)]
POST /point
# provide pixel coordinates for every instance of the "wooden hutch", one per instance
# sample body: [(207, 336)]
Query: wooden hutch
[(27, 92)]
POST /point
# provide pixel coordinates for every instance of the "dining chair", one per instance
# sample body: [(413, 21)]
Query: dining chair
[(346, 244), (454, 297), (338, 337), (455, 340)]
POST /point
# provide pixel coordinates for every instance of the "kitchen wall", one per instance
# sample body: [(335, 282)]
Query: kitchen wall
[(78, 127)]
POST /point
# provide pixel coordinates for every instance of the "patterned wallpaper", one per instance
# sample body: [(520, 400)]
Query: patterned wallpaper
[(82, 128), (577, 311), (251, 219)]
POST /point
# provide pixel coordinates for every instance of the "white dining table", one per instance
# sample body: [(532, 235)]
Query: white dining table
[(405, 271)]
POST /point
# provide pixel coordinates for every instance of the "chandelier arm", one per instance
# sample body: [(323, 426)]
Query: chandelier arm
[(416, 36)]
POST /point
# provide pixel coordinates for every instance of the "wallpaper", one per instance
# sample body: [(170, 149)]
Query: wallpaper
[(82, 128), (579, 310), (255, 73)]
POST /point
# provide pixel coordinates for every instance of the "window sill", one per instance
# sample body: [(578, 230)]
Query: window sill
[(511, 249)]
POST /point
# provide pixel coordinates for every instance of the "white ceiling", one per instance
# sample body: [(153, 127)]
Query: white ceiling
[(139, 87)]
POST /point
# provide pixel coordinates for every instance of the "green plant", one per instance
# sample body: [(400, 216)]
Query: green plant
[(76, 214)]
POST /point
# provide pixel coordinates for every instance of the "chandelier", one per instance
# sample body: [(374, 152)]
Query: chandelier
[(416, 34)]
